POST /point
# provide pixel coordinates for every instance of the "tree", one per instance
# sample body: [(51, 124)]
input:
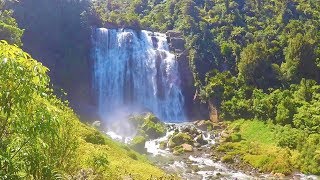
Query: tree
[(300, 59), (255, 66), (9, 30)]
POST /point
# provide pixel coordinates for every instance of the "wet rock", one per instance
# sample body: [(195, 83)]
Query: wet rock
[(195, 168), (199, 139), (179, 139), (177, 44), (172, 33), (204, 125), (187, 147), (178, 150), (279, 175), (138, 144), (197, 145), (188, 171)]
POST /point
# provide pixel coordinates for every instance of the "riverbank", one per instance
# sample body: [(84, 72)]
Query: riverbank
[(254, 146)]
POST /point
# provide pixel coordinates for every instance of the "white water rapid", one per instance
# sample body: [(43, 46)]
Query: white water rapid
[(134, 71)]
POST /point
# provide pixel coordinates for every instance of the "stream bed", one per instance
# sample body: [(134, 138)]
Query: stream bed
[(200, 163)]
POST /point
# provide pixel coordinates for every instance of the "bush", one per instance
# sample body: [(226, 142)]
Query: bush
[(308, 117), (289, 137), (99, 162), (235, 137), (95, 138), (133, 155)]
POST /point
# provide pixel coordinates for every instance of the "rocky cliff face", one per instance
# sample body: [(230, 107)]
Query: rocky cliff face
[(194, 109)]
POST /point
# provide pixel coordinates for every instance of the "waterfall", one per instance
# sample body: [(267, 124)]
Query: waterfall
[(135, 71)]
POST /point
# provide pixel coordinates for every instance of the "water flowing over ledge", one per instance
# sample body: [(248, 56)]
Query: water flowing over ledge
[(134, 72)]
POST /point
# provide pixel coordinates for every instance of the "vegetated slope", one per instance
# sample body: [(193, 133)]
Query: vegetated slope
[(270, 148), (41, 137)]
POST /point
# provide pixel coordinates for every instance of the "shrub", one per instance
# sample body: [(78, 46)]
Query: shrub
[(95, 138), (99, 162)]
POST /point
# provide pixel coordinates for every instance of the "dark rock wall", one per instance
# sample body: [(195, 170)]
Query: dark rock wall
[(195, 110)]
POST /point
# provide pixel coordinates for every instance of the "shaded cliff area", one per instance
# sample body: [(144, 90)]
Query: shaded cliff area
[(60, 36)]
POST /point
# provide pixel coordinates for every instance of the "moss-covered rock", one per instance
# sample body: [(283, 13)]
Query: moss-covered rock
[(178, 150), (148, 126), (204, 125), (153, 127), (179, 139), (163, 145), (138, 144)]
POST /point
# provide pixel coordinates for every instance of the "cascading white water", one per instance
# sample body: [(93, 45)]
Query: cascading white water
[(135, 70)]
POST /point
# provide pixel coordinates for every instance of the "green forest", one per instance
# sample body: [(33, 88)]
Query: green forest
[(256, 61)]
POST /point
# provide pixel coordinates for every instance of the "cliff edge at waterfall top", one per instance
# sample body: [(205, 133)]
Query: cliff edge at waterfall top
[(159, 89)]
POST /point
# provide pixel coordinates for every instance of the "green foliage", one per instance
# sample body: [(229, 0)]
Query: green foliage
[(255, 66), (309, 159), (99, 161), (95, 138), (41, 137), (300, 59), (36, 137), (234, 138), (9, 29), (227, 159), (308, 117), (10, 33), (110, 160), (289, 137)]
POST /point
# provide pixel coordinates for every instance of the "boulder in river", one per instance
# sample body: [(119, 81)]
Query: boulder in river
[(179, 139), (187, 147), (138, 144), (204, 125), (199, 139)]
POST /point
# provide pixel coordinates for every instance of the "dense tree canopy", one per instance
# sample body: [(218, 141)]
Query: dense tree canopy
[(9, 29)]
